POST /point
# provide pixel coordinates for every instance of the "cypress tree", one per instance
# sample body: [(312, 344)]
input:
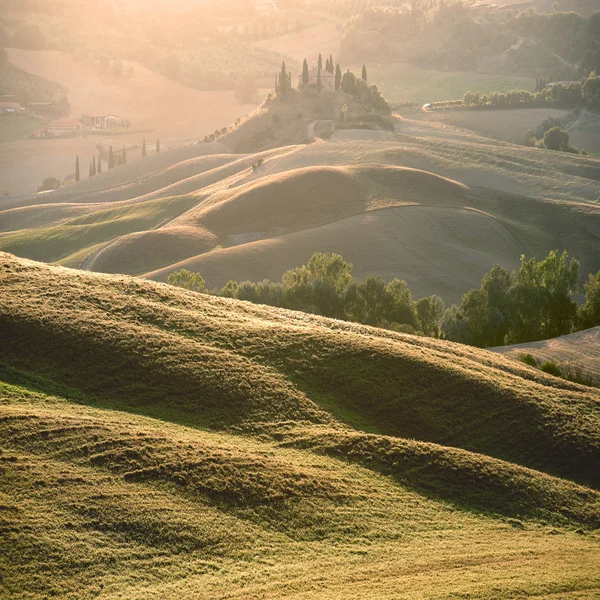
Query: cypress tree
[(331, 63), (338, 77), (320, 62), (94, 165), (90, 170), (77, 168), (305, 76), (124, 157), (111, 158), (157, 145), (283, 79), (99, 164), (364, 72), (319, 84), (144, 148)]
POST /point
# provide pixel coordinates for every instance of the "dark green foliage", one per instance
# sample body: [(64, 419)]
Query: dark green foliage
[(528, 359), (50, 183), (319, 84), (144, 151), (551, 368), (77, 168), (320, 63), (331, 68), (338, 77), (187, 280), (157, 145), (533, 303), (589, 313), (364, 73), (305, 76), (124, 156), (556, 138), (111, 158)]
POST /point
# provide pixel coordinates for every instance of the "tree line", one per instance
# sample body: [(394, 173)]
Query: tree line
[(531, 303)]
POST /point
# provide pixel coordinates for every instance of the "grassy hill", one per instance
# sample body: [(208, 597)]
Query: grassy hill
[(577, 352), (423, 203), (278, 452)]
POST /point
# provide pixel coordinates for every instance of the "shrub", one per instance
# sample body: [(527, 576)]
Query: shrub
[(187, 280), (551, 368), (50, 183), (528, 359)]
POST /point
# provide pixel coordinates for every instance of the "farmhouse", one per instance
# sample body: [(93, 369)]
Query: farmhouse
[(64, 126), (327, 79), (101, 122), (10, 108)]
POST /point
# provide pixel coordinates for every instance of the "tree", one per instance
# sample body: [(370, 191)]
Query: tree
[(187, 280), (320, 62), (557, 138), (331, 63), (77, 168), (305, 75), (430, 312), (94, 170), (589, 313), (50, 183), (319, 83), (111, 158), (284, 83), (124, 156), (157, 145), (144, 148), (364, 73), (99, 164), (338, 77)]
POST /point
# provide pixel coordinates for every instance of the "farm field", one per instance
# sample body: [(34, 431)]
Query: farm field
[(403, 82), (576, 351), (18, 127), (207, 210), (157, 106), (141, 422)]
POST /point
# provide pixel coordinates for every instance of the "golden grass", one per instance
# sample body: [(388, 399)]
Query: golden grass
[(158, 443)]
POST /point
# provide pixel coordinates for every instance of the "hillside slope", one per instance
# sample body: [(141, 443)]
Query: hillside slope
[(576, 351), (279, 452)]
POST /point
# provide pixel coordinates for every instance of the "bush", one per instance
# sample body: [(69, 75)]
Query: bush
[(528, 359), (551, 368), (187, 280), (50, 183)]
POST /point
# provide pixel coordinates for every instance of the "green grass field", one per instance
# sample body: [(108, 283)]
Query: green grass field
[(158, 443), (403, 82), (18, 127)]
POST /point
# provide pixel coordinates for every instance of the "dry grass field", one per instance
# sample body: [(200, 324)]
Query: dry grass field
[(422, 203), (576, 352), (282, 454)]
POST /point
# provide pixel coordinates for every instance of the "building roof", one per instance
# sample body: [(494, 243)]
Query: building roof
[(11, 105)]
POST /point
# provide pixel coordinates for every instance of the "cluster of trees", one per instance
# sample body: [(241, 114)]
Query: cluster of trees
[(532, 303), (535, 302), (550, 135)]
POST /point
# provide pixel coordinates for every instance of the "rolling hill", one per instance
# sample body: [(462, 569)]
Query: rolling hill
[(281, 454), (576, 352), (373, 196)]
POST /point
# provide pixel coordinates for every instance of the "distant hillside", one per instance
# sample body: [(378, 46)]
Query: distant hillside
[(420, 203), (141, 422), (578, 353)]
